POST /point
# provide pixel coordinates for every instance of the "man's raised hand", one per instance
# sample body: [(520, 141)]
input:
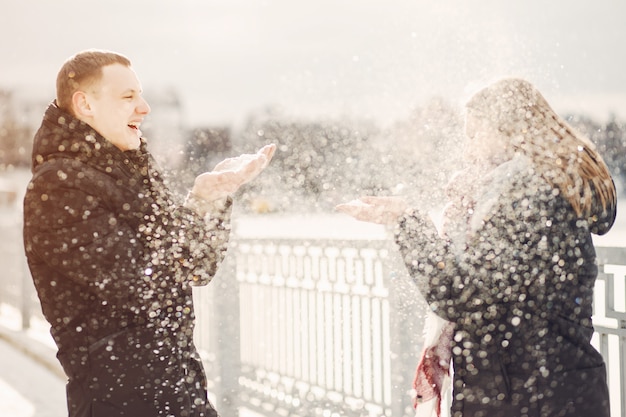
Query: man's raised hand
[(232, 173)]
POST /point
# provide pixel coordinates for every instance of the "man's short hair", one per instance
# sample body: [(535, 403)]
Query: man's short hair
[(81, 70)]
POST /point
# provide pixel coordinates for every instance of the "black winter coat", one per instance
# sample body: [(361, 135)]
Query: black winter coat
[(113, 260), (520, 295)]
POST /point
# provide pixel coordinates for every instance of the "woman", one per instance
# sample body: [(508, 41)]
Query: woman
[(514, 272)]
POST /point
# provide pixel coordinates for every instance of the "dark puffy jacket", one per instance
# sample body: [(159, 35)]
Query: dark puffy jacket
[(113, 260), (520, 295)]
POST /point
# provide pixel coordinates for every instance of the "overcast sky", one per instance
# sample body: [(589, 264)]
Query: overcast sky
[(367, 58)]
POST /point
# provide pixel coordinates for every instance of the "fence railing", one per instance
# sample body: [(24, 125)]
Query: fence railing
[(17, 291), (299, 328), (322, 330)]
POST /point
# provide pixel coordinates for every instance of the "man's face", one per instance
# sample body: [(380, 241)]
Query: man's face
[(116, 107)]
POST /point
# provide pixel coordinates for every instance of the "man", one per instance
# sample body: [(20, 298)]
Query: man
[(112, 256)]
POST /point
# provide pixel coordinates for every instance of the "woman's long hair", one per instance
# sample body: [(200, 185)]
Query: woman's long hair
[(565, 158)]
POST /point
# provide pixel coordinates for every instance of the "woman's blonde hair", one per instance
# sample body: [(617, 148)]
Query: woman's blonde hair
[(564, 157)]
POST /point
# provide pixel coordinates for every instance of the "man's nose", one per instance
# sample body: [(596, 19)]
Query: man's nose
[(143, 107)]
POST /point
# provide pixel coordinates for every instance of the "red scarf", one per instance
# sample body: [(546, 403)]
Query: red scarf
[(433, 369)]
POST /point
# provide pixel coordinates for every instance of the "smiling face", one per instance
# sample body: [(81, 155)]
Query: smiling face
[(114, 106)]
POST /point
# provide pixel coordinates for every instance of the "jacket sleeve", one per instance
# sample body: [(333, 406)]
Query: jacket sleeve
[(205, 237), (503, 263)]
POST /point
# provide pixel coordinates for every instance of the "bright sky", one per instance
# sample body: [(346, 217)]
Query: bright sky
[(368, 58)]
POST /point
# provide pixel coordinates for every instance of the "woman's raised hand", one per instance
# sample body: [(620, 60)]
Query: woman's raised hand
[(382, 210)]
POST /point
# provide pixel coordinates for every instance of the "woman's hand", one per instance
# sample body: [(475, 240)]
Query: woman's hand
[(381, 210)]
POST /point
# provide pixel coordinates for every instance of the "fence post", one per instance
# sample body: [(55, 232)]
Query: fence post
[(227, 333), (27, 288)]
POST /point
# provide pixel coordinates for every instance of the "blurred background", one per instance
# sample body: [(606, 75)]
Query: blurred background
[(342, 86)]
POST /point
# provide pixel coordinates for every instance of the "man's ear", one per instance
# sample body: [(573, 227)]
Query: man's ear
[(81, 105)]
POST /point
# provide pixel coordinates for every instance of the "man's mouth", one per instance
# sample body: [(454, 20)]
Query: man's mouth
[(135, 127)]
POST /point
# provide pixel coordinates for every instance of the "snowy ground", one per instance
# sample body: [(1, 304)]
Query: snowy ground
[(27, 389), (31, 380)]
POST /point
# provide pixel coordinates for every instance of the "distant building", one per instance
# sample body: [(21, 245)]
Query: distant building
[(20, 116), (164, 127), (24, 107)]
